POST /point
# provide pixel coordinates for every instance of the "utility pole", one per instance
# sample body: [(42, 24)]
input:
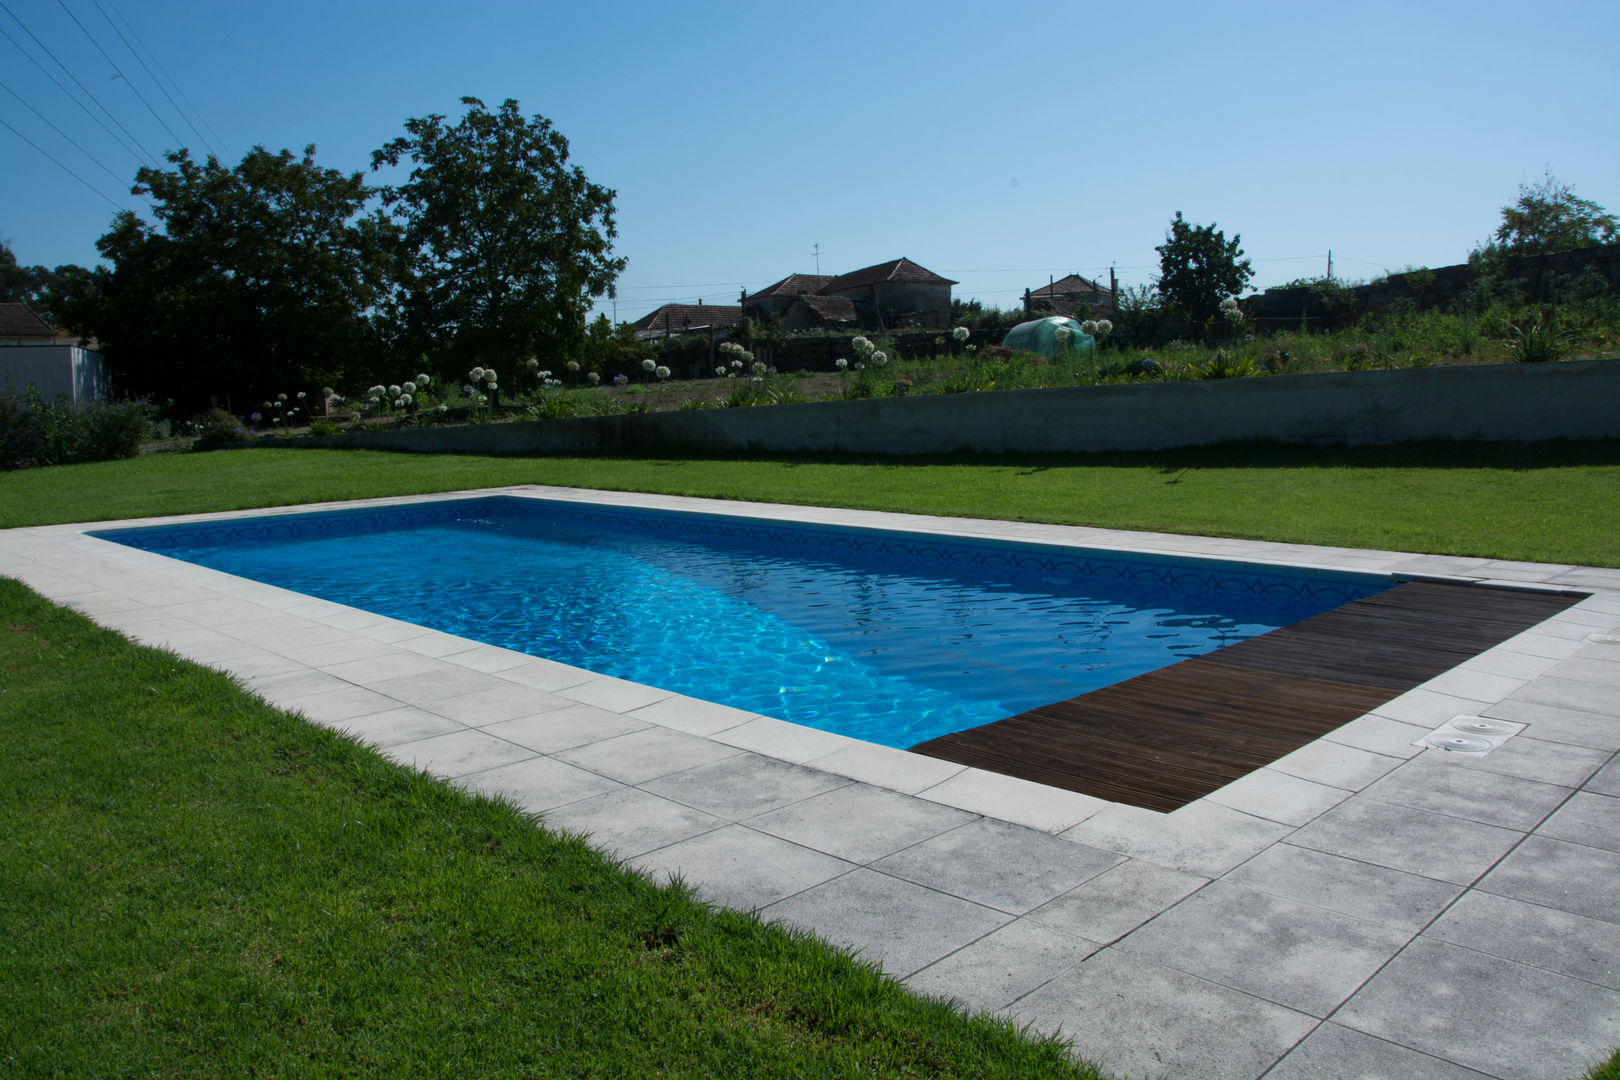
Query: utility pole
[(1330, 264)]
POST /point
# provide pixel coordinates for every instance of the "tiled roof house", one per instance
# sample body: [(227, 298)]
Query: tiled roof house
[(888, 296), (680, 318), (1071, 295), (19, 326)]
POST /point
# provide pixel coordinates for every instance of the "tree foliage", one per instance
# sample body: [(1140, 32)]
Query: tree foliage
[(1199, 267), (1548, 216), (44, 290), (253, 280), (506, 244)]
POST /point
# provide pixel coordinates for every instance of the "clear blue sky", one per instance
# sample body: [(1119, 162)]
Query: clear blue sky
[(994, 147)]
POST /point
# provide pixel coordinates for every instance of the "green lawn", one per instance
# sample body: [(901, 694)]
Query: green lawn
[(1549, 502), (198, 885)]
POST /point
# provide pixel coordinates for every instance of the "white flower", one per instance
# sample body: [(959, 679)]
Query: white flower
[(573, 365), (880, 358), (1064, 334), (476, 374), (301, 395), (545, 375), (661, 371), (393, 390), (405, 399), (972, 348), (649, 364), (491, 384), (593, 378), (961, 333), (421, 381), (759, 369), (863, 348), (721, 370), (841, 363), (1089, 327), (532, 364), (736, 365), (399, 402), (467, 388), (1104, 327), (489, 376)]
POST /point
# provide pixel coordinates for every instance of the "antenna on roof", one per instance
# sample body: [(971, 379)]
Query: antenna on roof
[(816, 250)]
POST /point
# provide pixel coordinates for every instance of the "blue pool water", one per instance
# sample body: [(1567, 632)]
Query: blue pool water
[(889, 637)]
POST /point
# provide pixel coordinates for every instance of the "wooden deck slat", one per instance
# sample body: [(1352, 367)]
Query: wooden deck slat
[(1165, 738)]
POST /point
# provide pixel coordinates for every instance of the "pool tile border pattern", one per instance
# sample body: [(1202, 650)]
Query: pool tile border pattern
[(1362, 905)]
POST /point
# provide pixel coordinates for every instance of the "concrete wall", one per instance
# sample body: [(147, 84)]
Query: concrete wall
[(57, 370), (1512, 403)]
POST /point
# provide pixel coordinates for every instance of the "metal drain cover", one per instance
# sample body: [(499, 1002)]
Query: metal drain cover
[(1465, 744)]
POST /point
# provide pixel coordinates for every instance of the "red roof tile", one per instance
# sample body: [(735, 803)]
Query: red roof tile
[(793, 285), (1064, 286), (682, 315), (896, 270)]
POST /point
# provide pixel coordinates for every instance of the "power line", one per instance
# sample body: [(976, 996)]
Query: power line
[(155, 80), (71, 97), (116, 178), (133, 88), (64, 168), (75, 79)]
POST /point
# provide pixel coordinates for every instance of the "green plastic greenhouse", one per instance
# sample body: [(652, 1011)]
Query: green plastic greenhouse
[(1041, 336)]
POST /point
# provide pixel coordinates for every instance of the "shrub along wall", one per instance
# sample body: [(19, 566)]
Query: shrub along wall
[(1508, 403)]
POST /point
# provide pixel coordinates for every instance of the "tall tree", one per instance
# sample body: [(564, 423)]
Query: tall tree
[(1199, 267), (1548, 216), (253, 280), (505, 242)]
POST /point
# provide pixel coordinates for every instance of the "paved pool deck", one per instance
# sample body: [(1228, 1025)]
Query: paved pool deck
[(1362, 907)]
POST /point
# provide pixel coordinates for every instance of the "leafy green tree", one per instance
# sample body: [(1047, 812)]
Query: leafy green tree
[(252, 281), (506, 244), (41, 288), (1548, 216), (1199, 267)]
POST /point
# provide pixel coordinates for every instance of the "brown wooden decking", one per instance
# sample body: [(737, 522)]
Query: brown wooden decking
[(1170, 736)]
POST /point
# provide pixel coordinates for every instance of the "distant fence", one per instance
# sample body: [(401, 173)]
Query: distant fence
[(1502, 403)]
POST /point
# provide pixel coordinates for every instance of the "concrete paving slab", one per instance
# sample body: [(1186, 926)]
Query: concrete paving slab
[(1279, 796), (646, 754), (1537, 759), (630, 822), (1599, 698), (1506, 1019), (1594, 671), (860, 823), (1117, 901), (1141, 1019), (1380, 735), (337, 705), (999, 865), (1436, 781), (431, 680), (495, 703), (743, 785), (695, 717), (545, 675), (1202, 838), (1587, 818), (539, 783), (1307, 958), (782, 740), (1337, 765), (565, 728), (1004, 965), (1404, 838), (1332, 1052), (615, 694), (1427, 708), (1573, 945), (1606, 781), (456, 753), (1011, 799), (740, 867), (1375, 894), (1558, 874), (886, 767), (394, 726), (1556, 723), (902, 926)]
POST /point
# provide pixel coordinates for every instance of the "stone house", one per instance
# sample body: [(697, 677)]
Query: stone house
[(685, 318), (1072, 295), (894, 295)]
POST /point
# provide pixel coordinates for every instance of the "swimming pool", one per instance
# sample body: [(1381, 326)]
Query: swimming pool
[(890, 637)]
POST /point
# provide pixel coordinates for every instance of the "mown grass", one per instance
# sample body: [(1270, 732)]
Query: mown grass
[(196, 884), (1549, 502)]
